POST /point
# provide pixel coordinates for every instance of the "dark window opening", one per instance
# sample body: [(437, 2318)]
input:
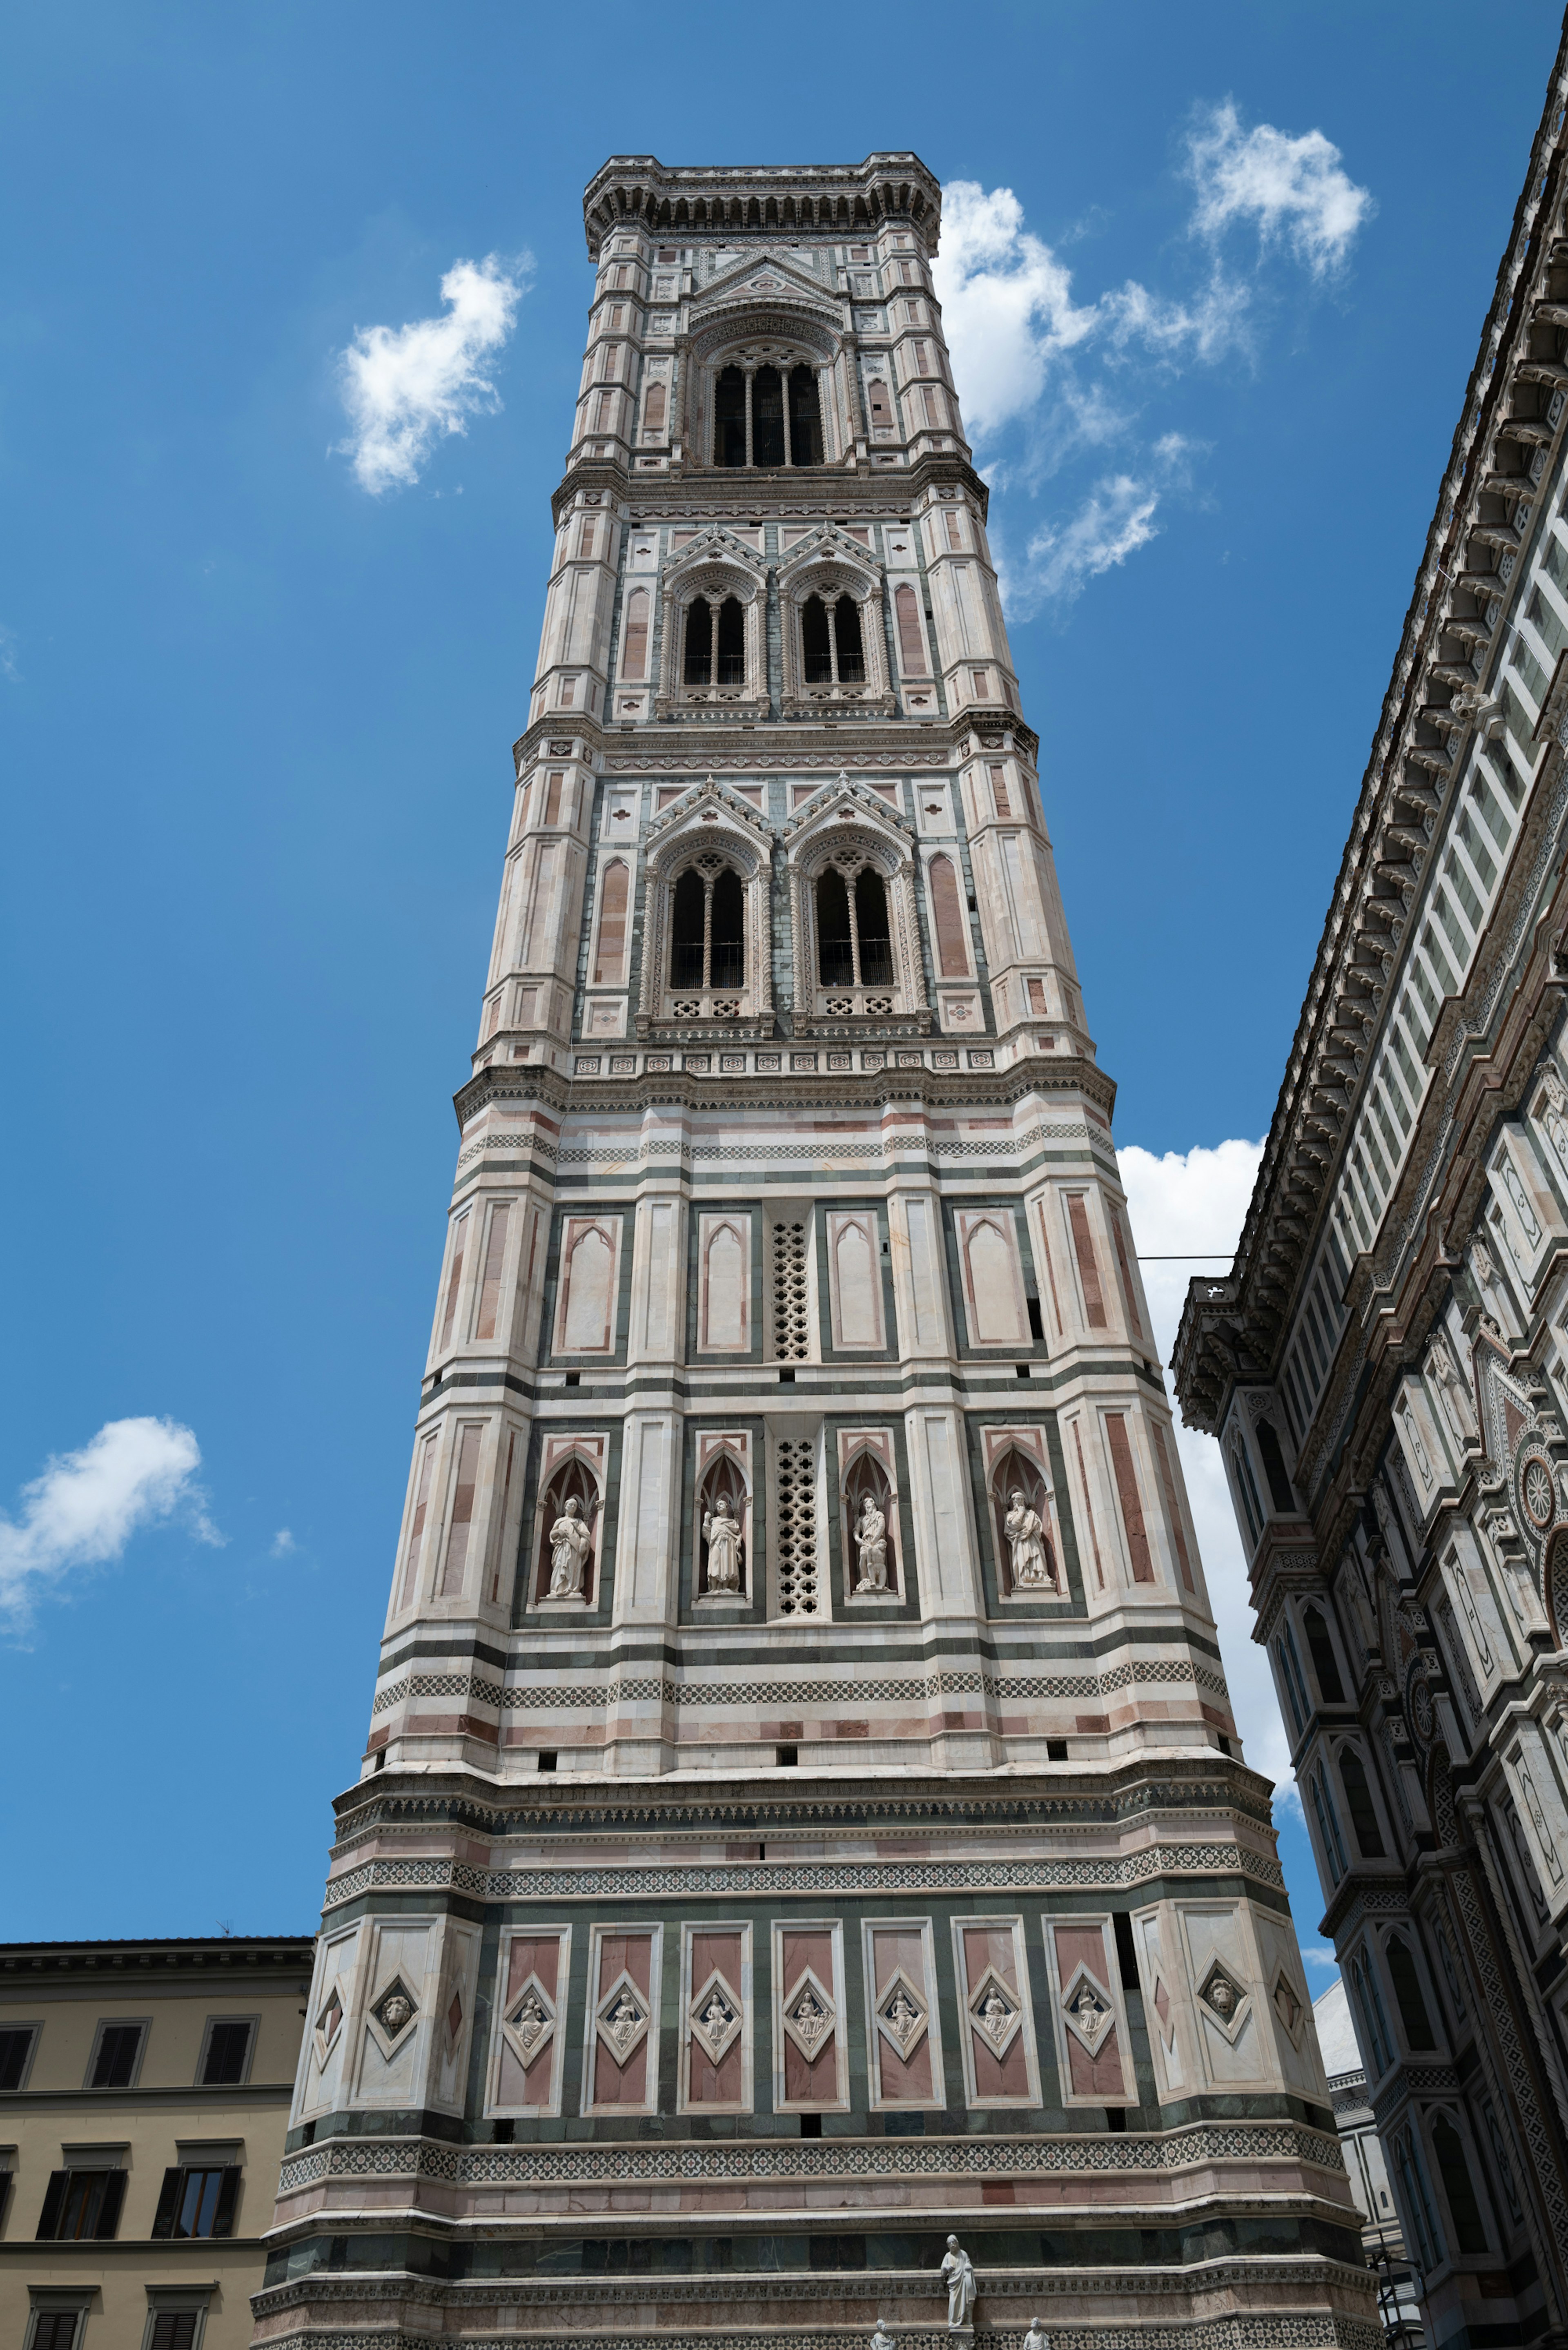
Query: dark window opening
[(810, 2124), (804, 417), (14, 2049), (767, 417), (574, 1378), (1127, 1957), (1222, 1741), (228, 2046), (730, 417), (730, 660), (1055, 1750), (815, 646), (1036, 1326), (1324, 1662), (786, 1379), (728, 945), (1274, 1466), (846, 637), (1458, 2187), (835, 951), (117, 2054), (1115, 2118), (871, 920), (1362, 1812), (1021, 1370), (1406, 1985), (687, 927), (786, 1758), (546, 1759), (503, 2132), (698, 664)]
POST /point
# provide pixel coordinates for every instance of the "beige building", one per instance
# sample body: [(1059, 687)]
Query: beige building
[(144, 2091)]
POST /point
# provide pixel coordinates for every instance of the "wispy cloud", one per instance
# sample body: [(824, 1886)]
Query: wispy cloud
[(1052, 383), (282, 1544), (1180, 1203), (1293, 190), (406, 388), (10, 668), (86, 1506)]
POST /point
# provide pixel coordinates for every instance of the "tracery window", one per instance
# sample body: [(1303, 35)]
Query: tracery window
[(715, 642), (833, 651), (767, 417), (854, 936), (707, 941)]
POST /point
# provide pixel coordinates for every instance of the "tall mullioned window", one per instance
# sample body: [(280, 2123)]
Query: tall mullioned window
[(767, 417), (707, 945), (715, 643)]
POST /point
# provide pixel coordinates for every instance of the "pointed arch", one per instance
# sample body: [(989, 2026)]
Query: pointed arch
[(876, 1566), (574, 1481), (1015, 1472)]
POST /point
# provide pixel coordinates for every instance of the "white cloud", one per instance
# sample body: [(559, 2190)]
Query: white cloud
[(1011, 321), (405, 388), (282, 1544), (1178, 1205), (1047, 378), (86, 1505), (1293, 190), (10, 668)]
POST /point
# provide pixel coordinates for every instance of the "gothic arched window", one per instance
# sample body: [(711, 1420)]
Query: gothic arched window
[(833, 651), (708, 927), (715, 643), (767, 417), (854, 934), (1358, 1799)]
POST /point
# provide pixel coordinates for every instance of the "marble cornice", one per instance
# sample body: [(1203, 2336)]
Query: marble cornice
[(938, 1089), (727, 490), (640, 192), (1120, 1794), (1229, 1329)]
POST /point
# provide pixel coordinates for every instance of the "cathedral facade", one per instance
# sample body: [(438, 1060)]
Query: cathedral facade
[(802, 1819), (1387, 1364)]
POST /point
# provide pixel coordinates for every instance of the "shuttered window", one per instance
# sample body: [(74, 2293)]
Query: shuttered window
[(81, 2206), (1128, 1494), (197, 2199)]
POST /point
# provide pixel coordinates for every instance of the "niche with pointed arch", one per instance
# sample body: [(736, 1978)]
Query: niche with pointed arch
[(872, 1547), (1015, 1472), (722, 1562), (561, 1560)]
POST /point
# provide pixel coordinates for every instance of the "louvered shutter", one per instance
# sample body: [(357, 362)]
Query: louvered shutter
[(168, 2203), (228, 2197), (113, 2196), (53, 2200)]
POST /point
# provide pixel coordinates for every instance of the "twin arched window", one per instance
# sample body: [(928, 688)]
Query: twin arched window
[(854, 939), (833, 651), (766, 416), (715, 642), (708, 927)]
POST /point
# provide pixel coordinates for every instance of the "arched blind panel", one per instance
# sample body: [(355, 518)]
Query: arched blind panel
[(653, 414), (912, 646), (609, 964), (947, 909), (634, 650)]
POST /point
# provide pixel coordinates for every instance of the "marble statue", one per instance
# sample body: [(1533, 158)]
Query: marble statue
[(721, 1532), (570, 1542), (1026, 1539), (959, 2277), (871, 1541)]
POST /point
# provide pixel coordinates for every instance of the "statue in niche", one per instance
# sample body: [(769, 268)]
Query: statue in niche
[(570, 1542), (1555, 1119), (871, 1542), (1451, 1390), (1025, 1534), (959, 2274), (721, 1532)]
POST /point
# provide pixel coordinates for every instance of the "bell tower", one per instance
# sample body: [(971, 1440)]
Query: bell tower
[(802, 1815)]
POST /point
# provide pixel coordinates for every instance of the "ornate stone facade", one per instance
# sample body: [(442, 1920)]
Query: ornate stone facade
[(1385, 1366), (802, 1813)]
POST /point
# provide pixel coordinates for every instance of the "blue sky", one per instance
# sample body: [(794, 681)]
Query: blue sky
[(254, 725)]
